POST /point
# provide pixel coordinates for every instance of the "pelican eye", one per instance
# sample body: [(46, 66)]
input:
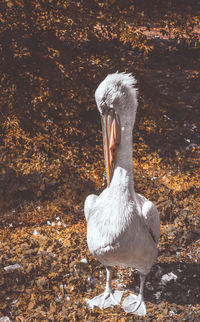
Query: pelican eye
[(103, 108)]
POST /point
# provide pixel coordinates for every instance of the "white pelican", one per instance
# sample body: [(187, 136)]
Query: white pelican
[(123, 227)]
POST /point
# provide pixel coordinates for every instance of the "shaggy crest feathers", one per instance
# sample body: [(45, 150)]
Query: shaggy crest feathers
[(121, 79), (115, 85)]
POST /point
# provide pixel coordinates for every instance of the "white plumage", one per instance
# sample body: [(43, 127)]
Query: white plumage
[(123, 227)]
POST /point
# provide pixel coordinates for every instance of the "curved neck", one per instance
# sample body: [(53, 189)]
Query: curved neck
[(124, 158)]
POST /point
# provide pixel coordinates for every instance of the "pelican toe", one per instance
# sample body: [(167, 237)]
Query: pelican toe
[(105, 300), (134, 304)]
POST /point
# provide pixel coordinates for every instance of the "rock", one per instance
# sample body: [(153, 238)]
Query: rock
[(12, 268), (5, 319), (168, 277), (158, 295), (84, 261), (35, 232)]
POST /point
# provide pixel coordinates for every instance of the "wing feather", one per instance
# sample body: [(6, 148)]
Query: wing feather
[(89, 205), (151, 217)]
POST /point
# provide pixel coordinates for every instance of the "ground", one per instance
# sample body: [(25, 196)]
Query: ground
[(45, 237)]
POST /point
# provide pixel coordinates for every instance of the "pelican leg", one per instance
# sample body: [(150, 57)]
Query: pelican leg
[(108, 290), (135, 304), (108, 298), (140, 297)]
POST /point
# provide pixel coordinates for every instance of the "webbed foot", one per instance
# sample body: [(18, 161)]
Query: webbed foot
[(105, 300), (134, 304)]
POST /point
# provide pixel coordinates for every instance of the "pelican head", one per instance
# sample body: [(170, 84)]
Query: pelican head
[(116, 99)]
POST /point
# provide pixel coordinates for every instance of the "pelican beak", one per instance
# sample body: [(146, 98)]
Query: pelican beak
[(111, 139)]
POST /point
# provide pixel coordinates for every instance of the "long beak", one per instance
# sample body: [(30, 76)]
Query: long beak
[(111, 139)]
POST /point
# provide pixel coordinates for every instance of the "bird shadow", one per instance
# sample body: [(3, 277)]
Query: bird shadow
[(176, 282)]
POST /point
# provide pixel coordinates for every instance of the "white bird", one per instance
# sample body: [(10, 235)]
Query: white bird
[(123, 227)]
